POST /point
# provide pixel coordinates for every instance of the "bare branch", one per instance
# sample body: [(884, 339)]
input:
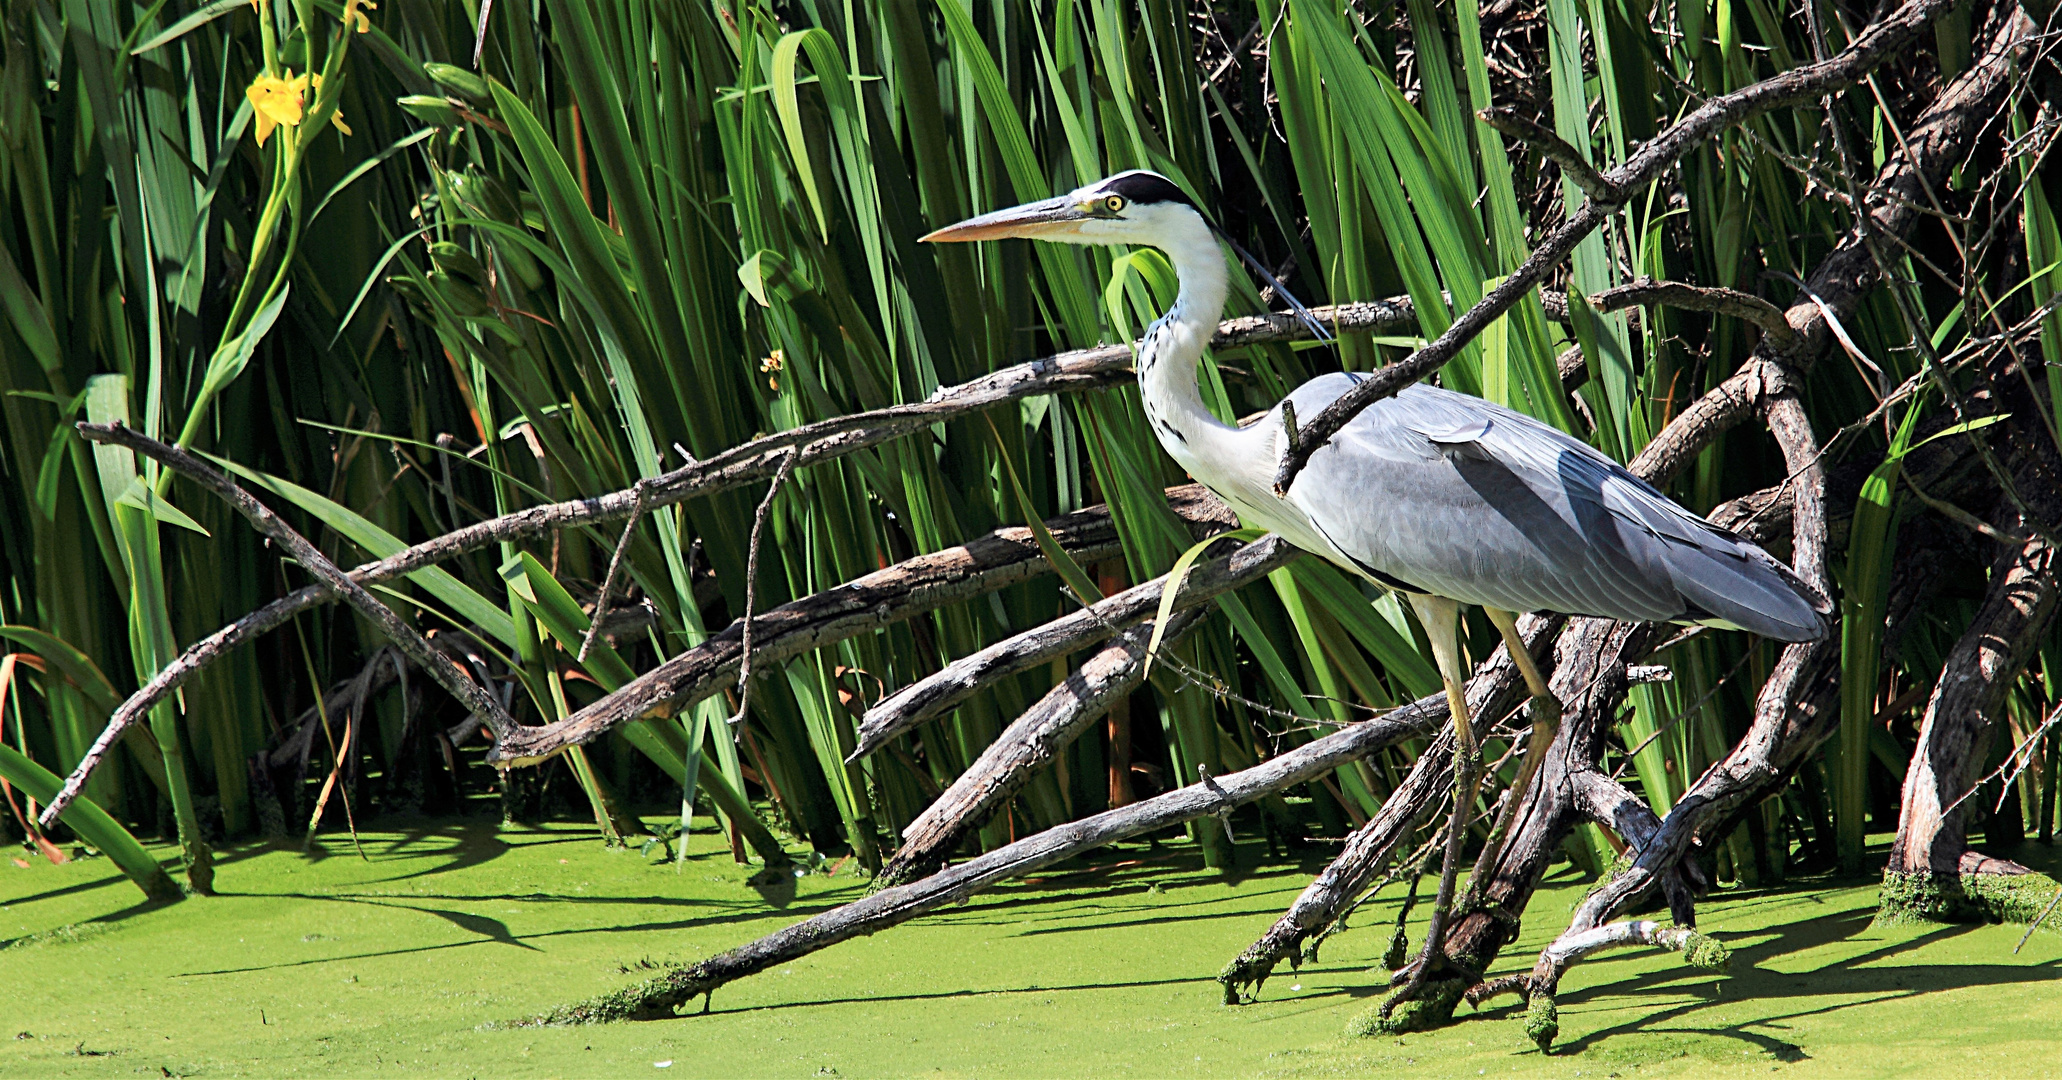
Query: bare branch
[(1786, 704), (887, 596), (1934, 145), (1025, 746), (1557, 150), (926, 698), (1068, 372), (477, 699), (1493, 691), (1718, 301), (658, 997), (1872, 47)]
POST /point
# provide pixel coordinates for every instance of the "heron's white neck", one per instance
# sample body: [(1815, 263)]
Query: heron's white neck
[(1204, 445)]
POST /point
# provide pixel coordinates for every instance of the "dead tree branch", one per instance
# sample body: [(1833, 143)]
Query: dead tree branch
[(482, 703), (1495, 690), (1068, 372), (1718, 301), (1785, 709), (1541, 138), (659, 997), (1935, 144), (928, 697), (1026, 746), (899, 592), (1799, 85), (1794, 713)]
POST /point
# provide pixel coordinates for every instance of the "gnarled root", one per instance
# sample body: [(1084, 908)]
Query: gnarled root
[(1542, 1015), (1430, 1006)]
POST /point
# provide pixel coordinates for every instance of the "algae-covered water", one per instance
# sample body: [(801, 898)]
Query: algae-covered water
[(328, 964)]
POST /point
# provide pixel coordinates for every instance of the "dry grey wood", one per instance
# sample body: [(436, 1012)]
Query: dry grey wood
[(927, 698), (1785, 710), (908, 588), (1590, 679), (744, 649), (1027, 745), (1543, 139), (1894, 202), (1795, 711), (477, 699), (1959, 723), (1568, 950), (1719, 301), (1874, 45), (660, 996)]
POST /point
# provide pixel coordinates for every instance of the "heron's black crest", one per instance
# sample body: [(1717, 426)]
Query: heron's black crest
[(1145, 188)]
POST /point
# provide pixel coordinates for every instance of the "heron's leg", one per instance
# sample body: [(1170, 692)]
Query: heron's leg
[(1441, 618), (1546, 720), (1507, 625)]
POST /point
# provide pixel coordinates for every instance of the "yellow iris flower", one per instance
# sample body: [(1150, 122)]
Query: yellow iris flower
[(279, 101), (276, 101)]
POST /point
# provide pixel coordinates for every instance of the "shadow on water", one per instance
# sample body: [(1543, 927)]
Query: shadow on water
[(941, 995), (1857, 978), (493, 931)]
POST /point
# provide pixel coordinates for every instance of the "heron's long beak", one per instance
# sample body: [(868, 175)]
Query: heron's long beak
[(1047, 219)]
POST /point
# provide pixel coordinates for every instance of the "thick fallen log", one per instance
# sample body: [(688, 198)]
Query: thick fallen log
[(661, 996), (1026, 746)]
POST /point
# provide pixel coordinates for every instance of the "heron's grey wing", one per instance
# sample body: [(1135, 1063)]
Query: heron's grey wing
[(1440, 492)]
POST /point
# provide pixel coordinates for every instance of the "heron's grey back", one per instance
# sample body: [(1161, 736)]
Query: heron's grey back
[(1440, 492)]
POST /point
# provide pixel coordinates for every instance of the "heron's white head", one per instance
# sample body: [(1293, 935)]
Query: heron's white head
[(1136, 207)]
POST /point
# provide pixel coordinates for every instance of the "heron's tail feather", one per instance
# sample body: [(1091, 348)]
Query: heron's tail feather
[(1740, 585)]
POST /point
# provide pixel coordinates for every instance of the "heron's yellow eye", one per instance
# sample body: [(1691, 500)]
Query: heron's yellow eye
[(1113, 203)]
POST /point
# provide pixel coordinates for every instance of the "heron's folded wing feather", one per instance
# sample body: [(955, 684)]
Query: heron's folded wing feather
[(1474, 501)]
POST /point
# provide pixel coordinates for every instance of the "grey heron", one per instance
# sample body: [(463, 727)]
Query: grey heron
[(1444, 497)]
